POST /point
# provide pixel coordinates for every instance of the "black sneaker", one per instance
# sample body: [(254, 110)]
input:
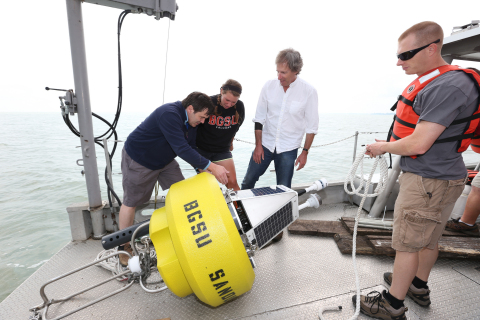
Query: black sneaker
[(376, 306), (456, 225), (420, 296)]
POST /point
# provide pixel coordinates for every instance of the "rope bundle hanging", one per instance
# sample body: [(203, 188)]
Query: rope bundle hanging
[(365, 185)]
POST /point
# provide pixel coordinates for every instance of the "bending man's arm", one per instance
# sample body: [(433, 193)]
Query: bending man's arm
[(219, 172), (302, 158), (171, 128), (419, 142)]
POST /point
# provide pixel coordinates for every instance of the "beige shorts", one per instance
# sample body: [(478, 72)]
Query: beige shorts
[(476, 181), (138, 182), (422, 210)]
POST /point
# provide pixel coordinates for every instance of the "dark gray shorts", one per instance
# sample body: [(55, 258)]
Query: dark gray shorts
[(138, 182), (215, 156)]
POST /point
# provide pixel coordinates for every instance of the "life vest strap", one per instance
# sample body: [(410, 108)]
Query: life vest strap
[(456, 138), (405, 100), (394, 107), (395, 136), (405, 123), (472, 117)]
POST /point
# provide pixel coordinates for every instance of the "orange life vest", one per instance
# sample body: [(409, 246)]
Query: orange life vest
[(405, 119)]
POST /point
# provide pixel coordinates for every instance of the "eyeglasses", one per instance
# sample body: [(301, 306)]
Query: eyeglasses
[(407, 55)]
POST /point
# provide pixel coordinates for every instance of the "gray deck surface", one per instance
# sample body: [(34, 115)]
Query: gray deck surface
[(294, 278)]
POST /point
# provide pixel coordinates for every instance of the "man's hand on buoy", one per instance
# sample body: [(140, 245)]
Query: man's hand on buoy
[(219, 172), (375, 149)]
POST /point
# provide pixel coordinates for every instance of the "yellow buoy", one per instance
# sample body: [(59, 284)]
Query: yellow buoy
[(198, 247)]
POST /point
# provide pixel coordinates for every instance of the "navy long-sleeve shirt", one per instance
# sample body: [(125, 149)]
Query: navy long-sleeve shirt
[(162, 136)]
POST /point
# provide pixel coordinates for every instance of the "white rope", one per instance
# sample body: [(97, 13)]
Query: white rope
[(320, 145), (363, 184), (166, 60), (113, 264)]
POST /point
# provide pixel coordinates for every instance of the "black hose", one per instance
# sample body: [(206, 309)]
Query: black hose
[(111, 126)]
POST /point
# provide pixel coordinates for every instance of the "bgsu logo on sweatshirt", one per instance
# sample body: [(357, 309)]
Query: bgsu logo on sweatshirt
[(222, 121)]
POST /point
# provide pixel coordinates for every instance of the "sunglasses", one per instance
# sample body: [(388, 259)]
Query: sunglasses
[(407, 55)]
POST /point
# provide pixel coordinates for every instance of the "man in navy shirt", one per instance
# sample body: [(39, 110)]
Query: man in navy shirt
[(150, 151)]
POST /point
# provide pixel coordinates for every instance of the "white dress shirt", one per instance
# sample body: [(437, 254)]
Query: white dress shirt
[(287, 116)]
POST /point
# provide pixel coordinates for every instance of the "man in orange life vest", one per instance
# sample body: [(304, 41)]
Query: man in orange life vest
[(435, 121)]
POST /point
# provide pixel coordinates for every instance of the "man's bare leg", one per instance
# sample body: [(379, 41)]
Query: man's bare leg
[(126, 216), (404, 269), (427, 258), (472, 208)]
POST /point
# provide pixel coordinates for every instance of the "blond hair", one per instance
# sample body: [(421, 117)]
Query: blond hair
[(425, 32)]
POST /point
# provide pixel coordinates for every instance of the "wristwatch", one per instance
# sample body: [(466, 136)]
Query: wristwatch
[(305, 149)]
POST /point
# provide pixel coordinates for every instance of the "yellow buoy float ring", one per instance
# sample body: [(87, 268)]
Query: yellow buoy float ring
[(198, 247)]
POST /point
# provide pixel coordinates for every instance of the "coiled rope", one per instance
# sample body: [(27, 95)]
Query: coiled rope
[(113, 264), (364, 184)]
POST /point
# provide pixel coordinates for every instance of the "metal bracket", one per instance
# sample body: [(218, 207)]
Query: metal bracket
[(48, 302), (70, 106), (165, 8), (473, 24), (157, 8)]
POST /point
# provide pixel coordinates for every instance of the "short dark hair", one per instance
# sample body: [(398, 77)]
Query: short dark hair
[(199, 101)]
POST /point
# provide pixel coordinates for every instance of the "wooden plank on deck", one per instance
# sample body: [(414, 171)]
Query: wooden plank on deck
[(317, 228), (349, 224), (449, 247), (345, 244)]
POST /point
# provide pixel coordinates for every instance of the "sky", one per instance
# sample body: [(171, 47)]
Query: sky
[(348, 48)]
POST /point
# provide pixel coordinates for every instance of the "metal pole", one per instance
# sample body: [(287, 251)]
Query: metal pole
[(381, 200), (355, 146), (79, 64)]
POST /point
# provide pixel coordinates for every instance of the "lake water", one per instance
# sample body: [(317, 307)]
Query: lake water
[(39, 176)]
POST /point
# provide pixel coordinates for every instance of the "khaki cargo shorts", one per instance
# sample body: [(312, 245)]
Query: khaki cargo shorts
[(138, 182), (422, 210)]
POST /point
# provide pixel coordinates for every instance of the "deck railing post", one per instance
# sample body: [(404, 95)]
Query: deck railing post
[(79, 63), (355, 146)]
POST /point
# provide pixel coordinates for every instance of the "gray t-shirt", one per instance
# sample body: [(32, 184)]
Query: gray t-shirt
[(451, 96)]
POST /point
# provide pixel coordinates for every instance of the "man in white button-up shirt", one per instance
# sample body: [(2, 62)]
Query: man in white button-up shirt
[(286, 110)]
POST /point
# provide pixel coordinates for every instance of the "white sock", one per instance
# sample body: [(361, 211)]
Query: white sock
[(468, 224)]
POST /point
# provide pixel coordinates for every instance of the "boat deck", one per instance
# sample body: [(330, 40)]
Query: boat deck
[(294, 279)]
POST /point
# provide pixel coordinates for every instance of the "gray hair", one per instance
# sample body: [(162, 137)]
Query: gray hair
[(292, 58)]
